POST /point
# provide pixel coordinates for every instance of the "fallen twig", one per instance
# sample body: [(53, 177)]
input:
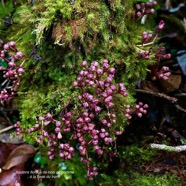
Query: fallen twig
[(163, 96), (180, 108), (168, 148), (160, 95), (6, 129)]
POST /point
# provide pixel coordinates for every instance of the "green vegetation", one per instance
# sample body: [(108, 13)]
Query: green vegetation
[(56, 36)]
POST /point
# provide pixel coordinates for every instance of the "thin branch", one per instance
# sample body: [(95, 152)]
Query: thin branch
[(160, 95), (6, 129), (163, 96), (180, 108), (180, 94), (168, 148)]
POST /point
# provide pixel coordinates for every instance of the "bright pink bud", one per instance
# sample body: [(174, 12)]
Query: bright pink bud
[(99, 71), (6, 47), (138, 7), (118, 132), (98, 109), (12, 43), (139, 114), (161, 25), (20, 71), (85, 104), (138, 14), (75, 84), (112, 70), (59, 136), (99, 152), (11, 64), (84, 64), (19, 54)]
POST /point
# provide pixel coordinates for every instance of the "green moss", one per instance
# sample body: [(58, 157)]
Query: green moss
[(62, 34), (137, 179)]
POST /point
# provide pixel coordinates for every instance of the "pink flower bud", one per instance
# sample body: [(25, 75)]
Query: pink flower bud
[(108, 99), (12, 43), (138, 7), (113, 87), (110, 104), (84, 64), (85, 104), (87, 119), (99, 71), (48, 116), (95, 63), (91, 83), (96, 147), (140, 104), (105, 65), (164, 68), (108, 80), (94, 142), (91, 115), (75, 84), (99, 152), (98, 109), (81, 73), (11, 64), (118, 132), (68, 114), (112, 70), (79, 79), (57, 129), (104, 122), (102, 135), (139, 114), (139, 14), (152, 10), (20, 71), (61, 155), (167, 56), (92, 68), (91, 126), (79, 120), (19, 54), (85, 114), (90, 76), (154, 3), (6, 47), (161, 25)]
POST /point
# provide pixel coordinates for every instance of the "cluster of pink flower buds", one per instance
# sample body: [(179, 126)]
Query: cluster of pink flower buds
[(94, 128), (164, 73), (99, 89), (12, 72), (66, 151), (91, 172), (54, 138), (139, 110), (146, 37), (18, 128), (160, 54), (145, 54), (160, 26), (145, 8)]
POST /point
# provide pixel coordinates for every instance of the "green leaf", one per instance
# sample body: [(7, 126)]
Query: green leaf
[(3, 63)]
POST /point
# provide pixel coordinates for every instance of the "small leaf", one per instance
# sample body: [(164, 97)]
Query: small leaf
[(3, 63), (19, 155)]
